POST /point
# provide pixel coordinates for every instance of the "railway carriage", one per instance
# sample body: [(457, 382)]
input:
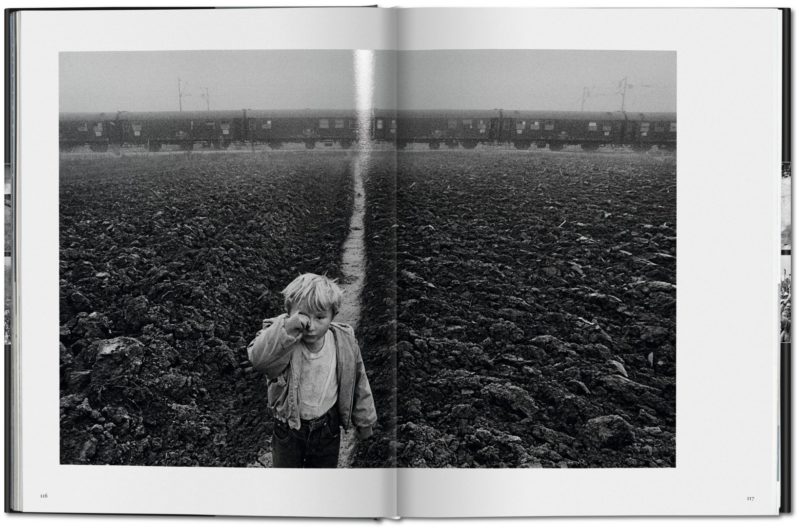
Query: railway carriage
[(97, 130), (218, 129), (645, 130), (155, 130), (383, 125), (277, 127), (452, 128), (556, 130), (333, 127), (449, 127)]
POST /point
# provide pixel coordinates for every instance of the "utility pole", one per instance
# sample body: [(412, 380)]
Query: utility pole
[(584, 96), (207, 98), (623, 90), (181, 95)]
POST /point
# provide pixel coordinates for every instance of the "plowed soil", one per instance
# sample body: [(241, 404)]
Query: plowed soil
[(168, 265), (536, 309), (518, 309)]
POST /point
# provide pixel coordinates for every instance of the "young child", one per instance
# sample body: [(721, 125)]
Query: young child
[(316, 377)]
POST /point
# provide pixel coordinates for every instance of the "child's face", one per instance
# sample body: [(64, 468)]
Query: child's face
[(319, 322)]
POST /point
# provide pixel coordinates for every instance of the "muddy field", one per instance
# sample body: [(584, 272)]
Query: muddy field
[(377, 330), (518, 310), (536, 310), (168, 265)]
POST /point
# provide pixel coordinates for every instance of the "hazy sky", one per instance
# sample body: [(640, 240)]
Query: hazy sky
[(291, 79), (145, 81), (537, 79)]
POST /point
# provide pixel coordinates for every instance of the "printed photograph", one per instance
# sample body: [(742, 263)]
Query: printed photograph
[(216, 307), (456, 258), (786, 207), (7, 265), (536, 264), (786, 298)]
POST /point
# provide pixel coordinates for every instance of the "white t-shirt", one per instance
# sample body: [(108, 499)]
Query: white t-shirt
[(318, 385)]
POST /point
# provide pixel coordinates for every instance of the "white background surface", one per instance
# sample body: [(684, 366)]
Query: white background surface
[(46, 485), (27, 521), (726, 213)]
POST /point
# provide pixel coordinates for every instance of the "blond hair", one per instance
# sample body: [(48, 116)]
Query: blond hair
[(319, 293)]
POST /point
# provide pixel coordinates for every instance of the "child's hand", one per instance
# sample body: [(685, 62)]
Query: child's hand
[(296, 324)]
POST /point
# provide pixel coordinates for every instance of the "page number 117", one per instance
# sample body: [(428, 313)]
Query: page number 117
[(750, 499)]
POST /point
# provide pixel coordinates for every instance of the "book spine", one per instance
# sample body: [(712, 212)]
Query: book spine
[(785, 435), (11, 476)]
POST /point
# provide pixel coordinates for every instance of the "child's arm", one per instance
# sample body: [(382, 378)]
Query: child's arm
[(364, 414), (270, 351)]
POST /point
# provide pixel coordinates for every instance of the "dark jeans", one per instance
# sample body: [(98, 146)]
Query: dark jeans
[(315, 444)]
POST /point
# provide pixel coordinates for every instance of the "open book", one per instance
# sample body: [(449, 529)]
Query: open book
[(559, 236)]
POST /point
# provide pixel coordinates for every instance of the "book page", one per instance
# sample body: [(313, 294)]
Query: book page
[(164, 206), (588, 322)]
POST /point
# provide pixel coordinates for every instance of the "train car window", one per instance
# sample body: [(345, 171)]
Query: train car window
[(323, 123), (549, 125), (520, 126), (210, 124), (466, 124), (393, 126), (98, 128), (225, 126), (83, 127), (644, 128), (606, 127), (267, 124), (535, 125), (658, 127), (482, 126), (379, 123), (137, 129), (452, 124), (673, 127), (592, 125), (338, 124), (251, 124)]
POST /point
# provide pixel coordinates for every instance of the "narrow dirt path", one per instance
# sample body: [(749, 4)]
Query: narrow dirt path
[(353, 272), (353, 253)]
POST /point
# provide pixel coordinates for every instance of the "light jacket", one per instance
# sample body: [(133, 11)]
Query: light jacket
[(279, 355)]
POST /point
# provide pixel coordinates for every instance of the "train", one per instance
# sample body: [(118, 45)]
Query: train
[(435, 128)]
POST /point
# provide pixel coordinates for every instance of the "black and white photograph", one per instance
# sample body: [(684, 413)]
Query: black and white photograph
[(7, 260), (212, 259), (786, 253), (786, 207), (536, 240), (786, 298), (494, 261)]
